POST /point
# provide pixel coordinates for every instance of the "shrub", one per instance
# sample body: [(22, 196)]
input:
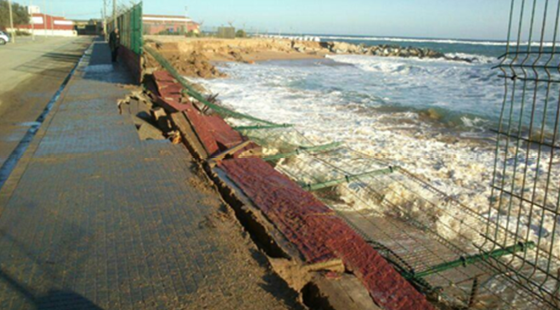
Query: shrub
[(240, 34), (20, 33)]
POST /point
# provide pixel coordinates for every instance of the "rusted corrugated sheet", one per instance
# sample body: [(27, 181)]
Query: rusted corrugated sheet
[(319, 234)]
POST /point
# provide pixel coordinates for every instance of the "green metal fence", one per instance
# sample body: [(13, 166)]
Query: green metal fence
[(130, 27), (525, 202)]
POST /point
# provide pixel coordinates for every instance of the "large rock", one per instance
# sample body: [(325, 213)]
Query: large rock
[(404, 53), (342, 47), (299, 47), (382, 50)]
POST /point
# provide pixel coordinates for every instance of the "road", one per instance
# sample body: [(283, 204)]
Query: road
[(31, 74)]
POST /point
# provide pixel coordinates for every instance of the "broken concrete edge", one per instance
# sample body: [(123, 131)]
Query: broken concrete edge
[(190, 138), (275, 244), (263, 232), (284, 258), (140, 109), (213, 133), (324, 293), (319, 234), (286, 261)]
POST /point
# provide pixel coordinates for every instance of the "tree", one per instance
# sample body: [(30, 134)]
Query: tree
[(240, 34), (19, 14)]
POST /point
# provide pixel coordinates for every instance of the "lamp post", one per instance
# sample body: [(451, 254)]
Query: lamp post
[(44, 18), (105, 18), (52, 19), (32, 22), (12, 21)]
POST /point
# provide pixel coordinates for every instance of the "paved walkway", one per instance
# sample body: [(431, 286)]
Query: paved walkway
[(92, 217), (32, 73)]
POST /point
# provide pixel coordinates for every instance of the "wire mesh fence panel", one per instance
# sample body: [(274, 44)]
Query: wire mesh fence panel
[(130, 26), (524, 206), (417, 225)]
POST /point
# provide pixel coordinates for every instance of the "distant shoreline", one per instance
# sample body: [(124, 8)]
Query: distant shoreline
[(193, 57)]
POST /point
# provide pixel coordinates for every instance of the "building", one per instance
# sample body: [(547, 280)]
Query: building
[(226, 32), (160, 24), (43, 24), (33, 9), (89, 27)]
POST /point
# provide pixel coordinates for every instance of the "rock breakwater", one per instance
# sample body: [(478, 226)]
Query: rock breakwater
[(388, 51)]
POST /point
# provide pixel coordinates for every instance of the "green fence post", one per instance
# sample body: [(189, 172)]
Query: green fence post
[(347, 179)]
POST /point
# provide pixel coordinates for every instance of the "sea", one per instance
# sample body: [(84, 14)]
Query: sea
[(433, 117)]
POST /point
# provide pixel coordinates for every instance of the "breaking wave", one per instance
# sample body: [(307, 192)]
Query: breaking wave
[(475, 58), (439, 41)]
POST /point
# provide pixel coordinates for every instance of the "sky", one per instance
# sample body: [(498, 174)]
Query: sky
[(467, 19)]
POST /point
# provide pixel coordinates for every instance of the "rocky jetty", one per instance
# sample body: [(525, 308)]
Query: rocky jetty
[(388, 51)]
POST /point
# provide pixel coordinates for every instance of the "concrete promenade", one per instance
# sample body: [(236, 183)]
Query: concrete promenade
[(31, 74), (94, 218)]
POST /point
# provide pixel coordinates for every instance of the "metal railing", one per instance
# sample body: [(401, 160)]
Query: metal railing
[(525, 200), (129, 23)]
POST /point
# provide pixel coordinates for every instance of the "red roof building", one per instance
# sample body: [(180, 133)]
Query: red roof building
[(48, 22), (155, 24)]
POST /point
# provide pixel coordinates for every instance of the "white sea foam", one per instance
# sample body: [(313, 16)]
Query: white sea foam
[(333, 102), (423, 83), (474, 57)]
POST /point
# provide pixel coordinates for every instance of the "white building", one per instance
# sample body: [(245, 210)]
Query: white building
[(33, 9)]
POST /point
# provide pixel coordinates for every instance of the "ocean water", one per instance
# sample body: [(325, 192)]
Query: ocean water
[(430, 116)]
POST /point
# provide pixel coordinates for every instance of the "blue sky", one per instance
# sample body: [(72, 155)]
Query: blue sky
[(474, 19)]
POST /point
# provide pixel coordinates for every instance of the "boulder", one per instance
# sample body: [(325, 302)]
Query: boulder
[(434, 54), (383, 50), (404, 53), (343, 47), (299, 49)]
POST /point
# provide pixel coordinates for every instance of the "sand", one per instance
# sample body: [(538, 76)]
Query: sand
[(246, 49), (195, 57)]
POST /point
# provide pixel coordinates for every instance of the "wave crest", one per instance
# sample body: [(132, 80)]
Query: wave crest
[(441, 41)]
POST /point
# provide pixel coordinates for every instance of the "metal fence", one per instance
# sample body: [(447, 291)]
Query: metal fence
[(130, 27), (524, 206)]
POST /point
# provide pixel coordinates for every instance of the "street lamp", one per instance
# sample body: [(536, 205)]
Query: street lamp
[(12, 21), (32, 22)]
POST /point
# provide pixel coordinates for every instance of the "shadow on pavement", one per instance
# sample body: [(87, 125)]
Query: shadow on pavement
[(51, 64), (54, 299)]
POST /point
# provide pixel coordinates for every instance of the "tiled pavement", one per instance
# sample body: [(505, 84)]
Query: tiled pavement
[(92, 217)]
